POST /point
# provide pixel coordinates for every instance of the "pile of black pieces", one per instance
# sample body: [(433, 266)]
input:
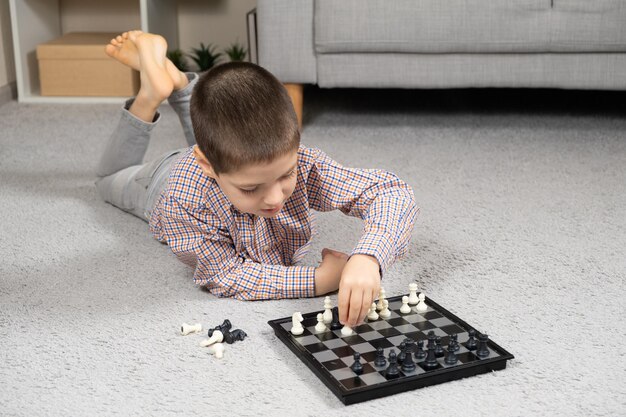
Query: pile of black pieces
[(230, 336), (411, 352)]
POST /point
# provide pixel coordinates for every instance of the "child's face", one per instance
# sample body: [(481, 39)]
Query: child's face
[(259, 189)]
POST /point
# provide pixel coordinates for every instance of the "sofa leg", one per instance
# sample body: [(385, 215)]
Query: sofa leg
[(295, 92)]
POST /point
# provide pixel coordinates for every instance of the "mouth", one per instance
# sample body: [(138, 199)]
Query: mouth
[(272, 210)]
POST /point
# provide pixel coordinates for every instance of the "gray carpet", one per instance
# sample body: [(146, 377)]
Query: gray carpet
[(522, 233)]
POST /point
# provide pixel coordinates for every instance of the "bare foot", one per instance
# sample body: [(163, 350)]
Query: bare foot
[(123, 49), (156, 82)]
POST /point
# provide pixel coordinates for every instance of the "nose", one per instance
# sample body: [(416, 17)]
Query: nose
[(274, 196)]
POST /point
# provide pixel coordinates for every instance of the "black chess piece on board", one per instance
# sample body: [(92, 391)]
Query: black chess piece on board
[(335, 324), (380, 358), (357, 367), (420, 354), (431, 359), (471, 343), (392, 369), (407, 364), (439, 352), (451, 357), (483, 350)]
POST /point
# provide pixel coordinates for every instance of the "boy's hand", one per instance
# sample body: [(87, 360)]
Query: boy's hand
[(358, 288), (328, 274)]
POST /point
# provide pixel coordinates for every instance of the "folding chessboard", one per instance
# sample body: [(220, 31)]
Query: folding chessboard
[(329, 354)]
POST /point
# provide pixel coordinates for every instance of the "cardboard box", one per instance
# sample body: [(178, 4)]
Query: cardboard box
[(76, 65)]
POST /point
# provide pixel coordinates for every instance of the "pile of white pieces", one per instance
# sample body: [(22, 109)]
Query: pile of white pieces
[(216, 347), (380, 309)]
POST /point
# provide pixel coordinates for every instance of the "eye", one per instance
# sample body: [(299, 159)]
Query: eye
[(291, 174), (248, 191)]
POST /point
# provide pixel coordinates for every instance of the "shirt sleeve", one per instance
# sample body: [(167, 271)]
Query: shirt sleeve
[(201, 242), (384, 202)]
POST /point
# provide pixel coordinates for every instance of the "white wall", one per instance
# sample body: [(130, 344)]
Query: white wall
[(7, 64)]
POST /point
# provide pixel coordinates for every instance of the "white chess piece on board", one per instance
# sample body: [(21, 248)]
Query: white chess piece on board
[(328, 310), (217, 349), (381, 299), (385, 313), (405, 309), (185, 329), (421, 306), (320, 326), (216, 337), (372, 315), (347, 331), (413, 294), (296, 324)]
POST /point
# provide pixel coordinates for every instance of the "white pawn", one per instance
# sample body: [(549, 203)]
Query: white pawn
[(328, 310), (217, 349), (185, 329), (405, 309), (346, 331), (216, 337), (421, 306), (385, 313), (372, 315), (320, 326), (413, 294), (296, 324), (381, 299)]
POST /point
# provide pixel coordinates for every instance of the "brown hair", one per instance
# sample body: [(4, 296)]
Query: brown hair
[(241, 114)]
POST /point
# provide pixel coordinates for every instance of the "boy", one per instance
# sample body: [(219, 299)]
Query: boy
[(236, 205)]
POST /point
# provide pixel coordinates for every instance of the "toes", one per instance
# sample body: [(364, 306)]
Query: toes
[(119, 39)]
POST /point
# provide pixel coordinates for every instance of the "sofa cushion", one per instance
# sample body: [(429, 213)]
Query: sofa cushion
[(459, 26)]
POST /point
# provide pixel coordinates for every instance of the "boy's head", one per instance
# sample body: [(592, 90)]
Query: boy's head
[(247, 136)]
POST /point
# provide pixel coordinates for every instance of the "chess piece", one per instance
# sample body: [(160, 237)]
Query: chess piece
[(186, 329), (482, 351), (454, 342), (296, 324), (439, 352), (381, 299), (234, 335), (385, 312), (431, 340), (347, 331), (405, 309), (217, 349), (431, 359), (357, 367), (372, 315), (392, 370), (421, 305), (402, 353), (334, 324), (320, 326), (224, 328), (328, 310), (471, 343), (413, 294), (216, 337), (407, 364), (380, 360), (419, 353), (451, 357)]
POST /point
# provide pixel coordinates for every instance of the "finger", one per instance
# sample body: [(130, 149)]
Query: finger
[(356, 300), (343, 302), (365, 306)]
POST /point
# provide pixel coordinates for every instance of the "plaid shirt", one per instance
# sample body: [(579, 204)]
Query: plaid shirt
[(249, 257)]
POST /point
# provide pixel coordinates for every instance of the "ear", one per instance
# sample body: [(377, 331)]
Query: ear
[(203, 162)]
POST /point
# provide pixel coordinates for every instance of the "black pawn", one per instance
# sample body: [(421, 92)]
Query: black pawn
[(224, 328), (334, 324), (402, 353), (482, 351), (407, 364), (471, 342), (454, 341), (419, 353), (233, 336), (392, 369), (431, 340), (431, 359), (356, 367), (380, 358), (451, 358), (439, 352)]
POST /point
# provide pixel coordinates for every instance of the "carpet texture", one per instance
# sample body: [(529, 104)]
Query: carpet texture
[(521, 233)]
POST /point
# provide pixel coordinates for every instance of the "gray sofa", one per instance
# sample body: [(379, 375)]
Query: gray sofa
[(574, 44)]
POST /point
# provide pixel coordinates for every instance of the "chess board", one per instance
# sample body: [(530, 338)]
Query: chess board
[(329, 354)]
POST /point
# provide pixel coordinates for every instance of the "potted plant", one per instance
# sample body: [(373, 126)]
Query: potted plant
[(236, 52), (205, 57)]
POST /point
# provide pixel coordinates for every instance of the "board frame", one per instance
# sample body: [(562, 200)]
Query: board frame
[(403, 384)]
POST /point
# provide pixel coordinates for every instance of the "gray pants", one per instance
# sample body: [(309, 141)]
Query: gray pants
[(124, 180)]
